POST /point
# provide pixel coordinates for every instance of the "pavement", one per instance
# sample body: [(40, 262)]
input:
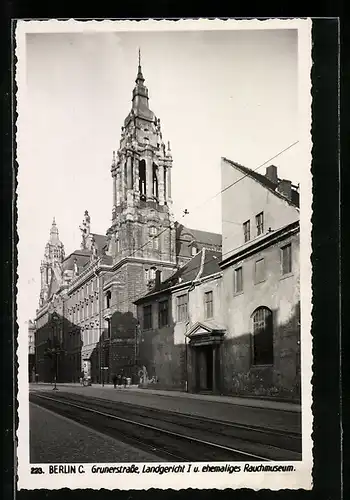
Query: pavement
[(57, 439), (241, 401)]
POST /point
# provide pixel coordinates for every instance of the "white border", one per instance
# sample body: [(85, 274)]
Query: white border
[(302, 477)]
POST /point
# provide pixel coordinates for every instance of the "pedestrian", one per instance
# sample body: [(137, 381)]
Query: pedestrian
[(115, 381)]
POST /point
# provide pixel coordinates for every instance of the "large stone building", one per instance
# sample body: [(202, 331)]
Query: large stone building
[(86, 319), (31, 351), (229, 322)]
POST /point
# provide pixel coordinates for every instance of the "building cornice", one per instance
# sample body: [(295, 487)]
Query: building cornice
[(256, 246), (141, 260)]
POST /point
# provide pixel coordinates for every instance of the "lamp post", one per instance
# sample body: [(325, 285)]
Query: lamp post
[(53, 353)]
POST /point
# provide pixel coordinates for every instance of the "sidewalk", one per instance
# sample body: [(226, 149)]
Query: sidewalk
[(234, 400)]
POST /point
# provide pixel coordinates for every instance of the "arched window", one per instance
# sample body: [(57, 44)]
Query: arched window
[(142, 179), (262, 348), (108, 299)]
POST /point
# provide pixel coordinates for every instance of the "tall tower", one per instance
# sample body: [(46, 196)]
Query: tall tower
[(141, 172), (54, 253)]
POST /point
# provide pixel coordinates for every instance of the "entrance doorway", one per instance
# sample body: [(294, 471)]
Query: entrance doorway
[(207, 367)]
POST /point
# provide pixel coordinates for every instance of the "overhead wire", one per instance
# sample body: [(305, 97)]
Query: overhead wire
[(186, 212)]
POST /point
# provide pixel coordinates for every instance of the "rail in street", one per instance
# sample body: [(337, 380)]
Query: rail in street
[(174, 436)]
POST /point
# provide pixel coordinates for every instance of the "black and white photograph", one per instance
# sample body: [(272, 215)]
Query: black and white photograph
[(164, 274)]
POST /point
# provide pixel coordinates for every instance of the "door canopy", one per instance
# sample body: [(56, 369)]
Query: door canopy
[(205, 333)]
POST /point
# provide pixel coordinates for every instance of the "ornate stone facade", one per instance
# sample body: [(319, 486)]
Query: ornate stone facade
[(87, 299)]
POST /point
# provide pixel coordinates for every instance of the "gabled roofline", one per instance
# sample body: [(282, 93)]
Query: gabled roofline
[(248, 173), (179, 286)]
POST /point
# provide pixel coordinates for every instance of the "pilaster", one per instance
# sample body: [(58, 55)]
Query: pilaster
[(136, 178), (149, 176), (161, 186)]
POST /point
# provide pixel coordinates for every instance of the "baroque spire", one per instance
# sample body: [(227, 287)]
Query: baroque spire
[(139, 77), (54, 231), (140, 95)]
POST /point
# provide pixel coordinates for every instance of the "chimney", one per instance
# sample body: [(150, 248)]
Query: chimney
[(285, 188), (158, 277), (271, 173)]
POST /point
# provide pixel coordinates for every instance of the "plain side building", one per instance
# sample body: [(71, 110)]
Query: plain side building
[(261, 293), (180, 330)]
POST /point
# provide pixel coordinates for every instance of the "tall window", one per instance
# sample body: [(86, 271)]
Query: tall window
[(246, 231), (153, 237), (259, 270), (108, 328), (259, 220), (286, 255), (147, 317), (108, 299), (182, 307), (208, 305), (262, 337), (142, 179), (163, 317), (238, 280), (155, 181), (194, 250)]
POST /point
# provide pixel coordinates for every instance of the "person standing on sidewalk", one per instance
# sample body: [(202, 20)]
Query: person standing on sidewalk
[(115, 380)]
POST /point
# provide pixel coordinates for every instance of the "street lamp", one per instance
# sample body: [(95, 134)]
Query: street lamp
[(53, 353)]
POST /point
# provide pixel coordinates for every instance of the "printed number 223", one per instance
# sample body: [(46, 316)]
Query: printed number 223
[(36, 470)]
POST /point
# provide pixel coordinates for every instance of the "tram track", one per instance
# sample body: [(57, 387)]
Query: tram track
[(174, 436)]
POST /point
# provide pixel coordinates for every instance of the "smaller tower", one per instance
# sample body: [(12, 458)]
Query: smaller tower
[(54, 253)]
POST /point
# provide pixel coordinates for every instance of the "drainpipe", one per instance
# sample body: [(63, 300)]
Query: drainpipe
[(188, 322), (191, 288), (186, 358)]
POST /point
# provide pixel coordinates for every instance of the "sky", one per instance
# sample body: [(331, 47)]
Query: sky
[(217, 93)]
